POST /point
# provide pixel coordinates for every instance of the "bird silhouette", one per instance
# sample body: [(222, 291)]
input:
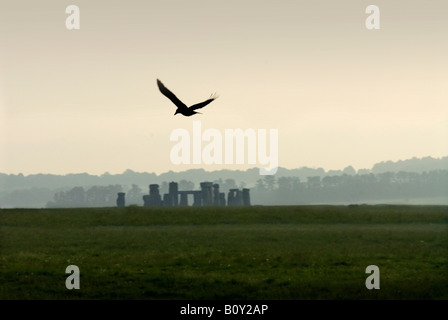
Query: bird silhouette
[(181, 107)]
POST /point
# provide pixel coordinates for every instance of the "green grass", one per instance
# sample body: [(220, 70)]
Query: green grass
[(291, 252)]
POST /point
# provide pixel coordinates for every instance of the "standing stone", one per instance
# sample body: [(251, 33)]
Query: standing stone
[(239, 198), (197, 198), (230, 198), (216, 200), (146, 202), (222, 199), (167, 200), (174, 193), (206, 188), (246, 197), (154, 196), (120, 199), (183, 199)]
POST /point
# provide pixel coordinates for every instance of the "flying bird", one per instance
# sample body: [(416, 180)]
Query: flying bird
[(181, 107)]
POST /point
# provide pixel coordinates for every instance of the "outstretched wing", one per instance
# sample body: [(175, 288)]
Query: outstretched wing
[(203, 104), (167, 93)]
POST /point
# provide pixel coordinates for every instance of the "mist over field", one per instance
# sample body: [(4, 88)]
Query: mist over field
[(412, 181)]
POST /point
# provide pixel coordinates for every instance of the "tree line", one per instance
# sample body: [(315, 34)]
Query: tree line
[(401, 186), (342, 189)]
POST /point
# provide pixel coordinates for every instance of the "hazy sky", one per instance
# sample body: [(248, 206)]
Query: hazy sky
[(339, 94)]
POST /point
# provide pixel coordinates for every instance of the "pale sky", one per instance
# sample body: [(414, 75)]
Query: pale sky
[(339, 94)]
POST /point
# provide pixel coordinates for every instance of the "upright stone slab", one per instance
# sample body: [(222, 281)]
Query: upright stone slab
[(239, 198), (146, 202), (216, 200), (174, 193), (154, 196), (206, 188), (167, 201), (230, 198), (120, 199), (183, 199), (197, 198), (222, 199), (246, 197)]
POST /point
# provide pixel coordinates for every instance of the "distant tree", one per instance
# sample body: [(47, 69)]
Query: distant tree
[(363, 171), (284, 184), (296, 185), (285, 193), (134, 196), (269, 182), (313, 182), (367, 179), (386, 178), (260, 187), (111, 195), (349, 170), (229, 184), (330, 181), (186, 185), (76, 197), (164, 188), (94, 197)]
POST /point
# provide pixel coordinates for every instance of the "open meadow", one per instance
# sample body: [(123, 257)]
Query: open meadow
[(282, 252)]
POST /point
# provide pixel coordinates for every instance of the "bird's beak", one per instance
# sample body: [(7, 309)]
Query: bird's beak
[(175, 113)]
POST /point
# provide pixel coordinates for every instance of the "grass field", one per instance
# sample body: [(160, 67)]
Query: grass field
[(291, 252)]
